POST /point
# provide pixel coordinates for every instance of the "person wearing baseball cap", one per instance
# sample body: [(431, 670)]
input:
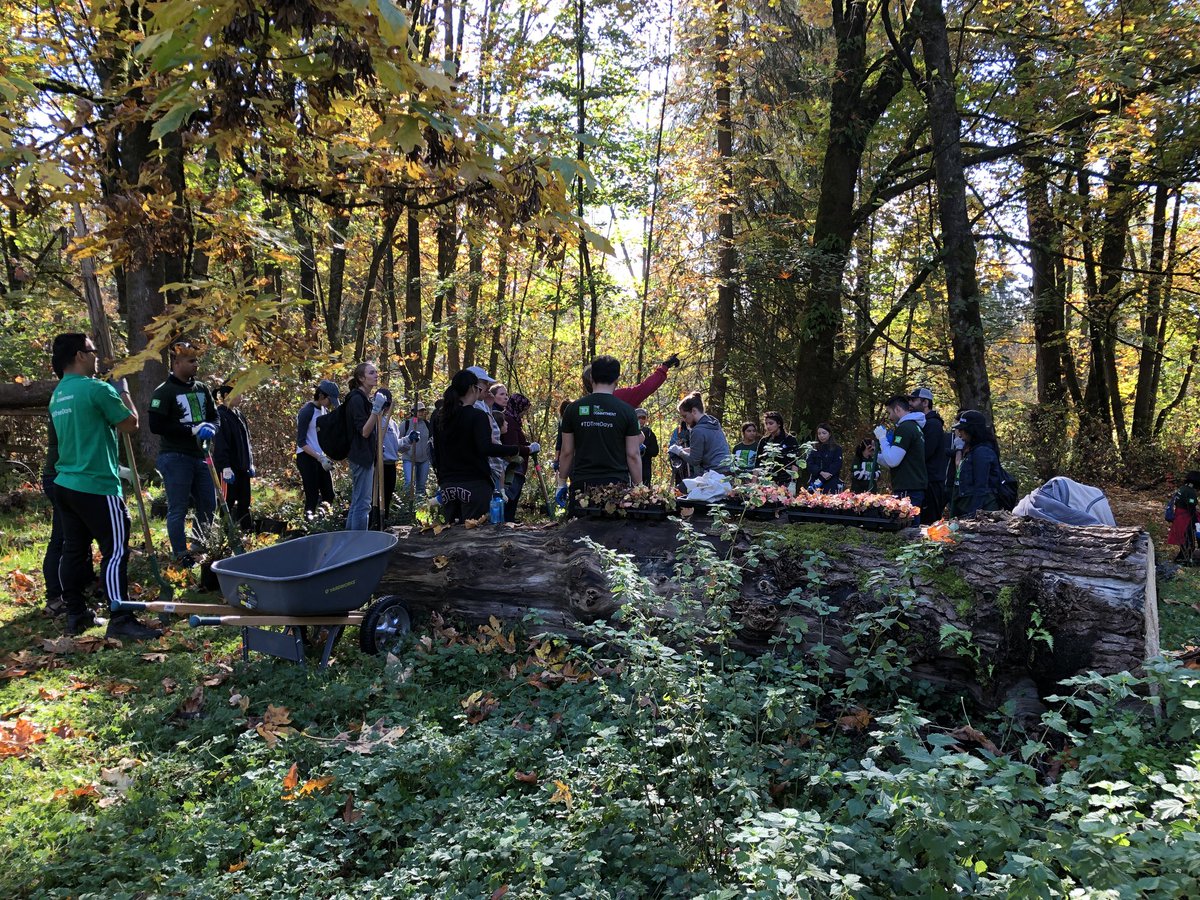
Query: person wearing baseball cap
[(415, 449), (183, 414), (483, 404), (314, 465), (936, 454)]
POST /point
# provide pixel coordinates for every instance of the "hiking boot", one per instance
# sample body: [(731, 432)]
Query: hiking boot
[(55, 607), (126, 625), (78, 623), (186, 561)]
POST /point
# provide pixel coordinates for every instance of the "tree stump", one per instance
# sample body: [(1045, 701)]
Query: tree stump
[(1041, 601)]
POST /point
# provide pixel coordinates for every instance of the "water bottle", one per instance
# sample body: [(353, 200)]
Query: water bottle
[(496, 509)]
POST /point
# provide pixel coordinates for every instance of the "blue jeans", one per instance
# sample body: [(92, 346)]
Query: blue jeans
[(362, 479), (422, 476), (188, 483)]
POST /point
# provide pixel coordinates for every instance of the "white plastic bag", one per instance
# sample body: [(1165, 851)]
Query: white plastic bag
[(712, 485)]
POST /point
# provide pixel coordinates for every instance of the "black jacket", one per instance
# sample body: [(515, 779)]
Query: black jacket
[(463, 448), (935, 447), (231, 446), (977, 482)]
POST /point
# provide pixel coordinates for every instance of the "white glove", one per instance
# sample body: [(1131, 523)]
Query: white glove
[(881, 435), (227, 475), (675, 450), (326, 462), (379, 403), (125, 473), (204, 431), (860, 474), (535, 447)]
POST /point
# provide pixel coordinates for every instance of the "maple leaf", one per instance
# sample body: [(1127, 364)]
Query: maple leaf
[(237, 866), (216, 680), (190, 708), (62, 644), (121, 688), (63, 730), (169, 685), (292, 778), (855, 721), (372, 738), (18, 739), (49, 694), (562, 794), (967, 734), (275, 725)]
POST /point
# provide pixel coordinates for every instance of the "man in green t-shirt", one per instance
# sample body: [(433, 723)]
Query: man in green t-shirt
[(601, 438), (86, 415), (903, 450)]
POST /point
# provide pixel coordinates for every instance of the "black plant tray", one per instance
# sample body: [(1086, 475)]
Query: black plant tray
[(767, 513), (643, 513), (870, 523)]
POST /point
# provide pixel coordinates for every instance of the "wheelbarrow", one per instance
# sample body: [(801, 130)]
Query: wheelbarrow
[(321, 581)]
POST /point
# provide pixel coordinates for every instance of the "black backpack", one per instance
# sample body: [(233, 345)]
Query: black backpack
[(333, 432), (1006, 490)]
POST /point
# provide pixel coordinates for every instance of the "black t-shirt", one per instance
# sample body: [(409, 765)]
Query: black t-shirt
[(463, 448), (600, 424)]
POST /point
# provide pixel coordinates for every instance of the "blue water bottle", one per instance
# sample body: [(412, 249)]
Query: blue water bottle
[(496, 509)]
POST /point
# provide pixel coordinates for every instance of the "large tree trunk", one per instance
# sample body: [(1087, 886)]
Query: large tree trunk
[(969, 363), (1148, 366), (1092, 588), (726, 251)]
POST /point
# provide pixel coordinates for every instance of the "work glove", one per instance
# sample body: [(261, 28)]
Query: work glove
[(675, 450), (120, 385), (414, 437), (534, 447), (560, 497), (227, 475), (671, 362), (882, 435), (125, 473), (380, 401), (205, 431), (860, 474), (326, 462)]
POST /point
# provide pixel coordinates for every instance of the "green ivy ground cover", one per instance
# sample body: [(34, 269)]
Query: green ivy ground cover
[(494, 764)]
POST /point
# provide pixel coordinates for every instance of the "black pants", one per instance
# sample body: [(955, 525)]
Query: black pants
[(462, 500), (54, 547), (935, 503), (389, 486), (512, 496), (647, 469), (237, 498), (318, 484), (88, 517)]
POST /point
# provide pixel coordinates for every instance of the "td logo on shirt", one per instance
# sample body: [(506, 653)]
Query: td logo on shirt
[(585, 410)]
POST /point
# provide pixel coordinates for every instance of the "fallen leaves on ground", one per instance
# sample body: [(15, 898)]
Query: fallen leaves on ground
[(275, 725), (83, 792), (478, 706), (440, 562), (292, 779), (968, 735), (190, 708), (64, 646), (49, 694), (349, 814), (121, 688), (22, 587), (63, 730), (19, 738), (562, 794), (526, 777), (153, 657), (373, 738), (169, 685), (858, 720)]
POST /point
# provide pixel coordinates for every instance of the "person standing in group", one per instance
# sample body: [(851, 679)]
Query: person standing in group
[(824, 462), (86, 415), (745, 453), (936, 455), (364, 407), (601, 439), (1183, 511), (649, 445), (902, 450), (415, 450), (560, 480), (315, 467), (482, 403), (463, 435), (513, 407), (865, 477), (184, 415), (233, 455), (393, 448), (708, 448), (680, 437), (778, 451), (977, 478)]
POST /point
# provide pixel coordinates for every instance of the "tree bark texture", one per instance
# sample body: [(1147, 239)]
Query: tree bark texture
[(969, 364), (1091, 587), (726, 251)]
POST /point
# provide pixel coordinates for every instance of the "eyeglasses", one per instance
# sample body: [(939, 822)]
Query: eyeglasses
[(91, 350)]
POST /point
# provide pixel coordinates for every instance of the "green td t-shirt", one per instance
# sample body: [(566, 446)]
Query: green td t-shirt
[(911, 474), (83, 412), (600, 424)]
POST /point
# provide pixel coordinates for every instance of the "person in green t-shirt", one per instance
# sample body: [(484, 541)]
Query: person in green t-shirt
[(86, 415), (745, 454), (601, 438)]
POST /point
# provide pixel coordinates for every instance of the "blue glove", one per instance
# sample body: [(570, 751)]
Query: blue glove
[(204, 431), (560, 497), (414, 437), (642, 449)]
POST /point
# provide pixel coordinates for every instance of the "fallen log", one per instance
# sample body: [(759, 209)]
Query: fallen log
[(26, 397), (1040, 601)]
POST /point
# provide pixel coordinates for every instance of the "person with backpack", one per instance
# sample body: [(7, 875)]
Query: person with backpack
[(463, 435), (934, 431), (314, 465), (1181, 513), (364, 409), (232, 454), (977, 481)]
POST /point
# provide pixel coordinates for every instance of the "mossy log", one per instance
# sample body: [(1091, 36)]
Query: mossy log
[(1092, 589)]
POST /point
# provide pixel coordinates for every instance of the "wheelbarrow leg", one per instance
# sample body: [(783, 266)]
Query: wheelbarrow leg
[(334, 632)]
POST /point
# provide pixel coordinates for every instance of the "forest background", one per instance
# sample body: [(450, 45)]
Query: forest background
[(816, 204)]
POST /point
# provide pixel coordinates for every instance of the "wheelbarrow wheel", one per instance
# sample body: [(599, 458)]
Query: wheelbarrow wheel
[(385, 625)]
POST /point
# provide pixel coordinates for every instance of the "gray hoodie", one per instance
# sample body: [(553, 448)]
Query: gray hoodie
[(708, 447)]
